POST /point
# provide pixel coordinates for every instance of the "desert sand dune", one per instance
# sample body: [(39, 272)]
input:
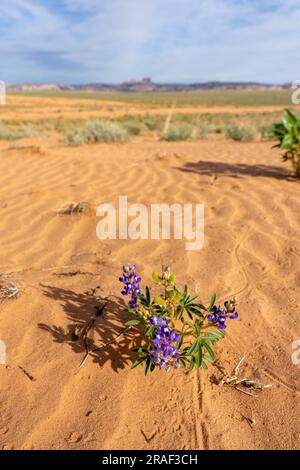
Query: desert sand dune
[(252, 249)]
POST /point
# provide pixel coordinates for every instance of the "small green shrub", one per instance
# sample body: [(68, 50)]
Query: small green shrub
[(150, 124), (174, 133), (133, 127), (241, 133), (98, 131), (288, 133), (10, 135), (204, 130)]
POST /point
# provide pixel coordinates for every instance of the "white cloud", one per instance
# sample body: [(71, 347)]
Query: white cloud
[(169, 40)]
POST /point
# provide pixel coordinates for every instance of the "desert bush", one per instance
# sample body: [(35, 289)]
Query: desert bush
[(133, 127), (151, 124), (205, 129), (173, 133), (98, 131), (10, 135), (241, 133), (288, 133)]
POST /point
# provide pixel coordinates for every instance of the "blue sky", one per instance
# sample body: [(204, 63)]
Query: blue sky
[(84, 41)]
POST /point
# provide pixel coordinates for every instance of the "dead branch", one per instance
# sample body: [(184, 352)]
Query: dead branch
[(243, 385)]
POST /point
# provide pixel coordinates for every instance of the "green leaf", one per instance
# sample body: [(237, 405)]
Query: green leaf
[(199, 356), (192, 348), (212, 301), (156, 277), (133, 322), (287, 141), (289, 120), (148, 299), (150, 330), (189, 313), (209, 350), (159, 300), (138, 362), (192, 363), (182, 361), (147, 365)]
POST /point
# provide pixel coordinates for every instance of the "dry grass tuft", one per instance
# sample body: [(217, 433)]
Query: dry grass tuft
[(9, 291), (70, 208)]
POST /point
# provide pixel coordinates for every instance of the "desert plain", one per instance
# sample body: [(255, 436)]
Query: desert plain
[(61, 270)]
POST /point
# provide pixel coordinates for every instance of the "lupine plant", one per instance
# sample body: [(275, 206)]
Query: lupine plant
[(288, 134), (176, 329)]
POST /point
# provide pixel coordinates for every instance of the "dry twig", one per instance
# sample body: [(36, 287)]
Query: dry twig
[(9, 291), (242, 384)]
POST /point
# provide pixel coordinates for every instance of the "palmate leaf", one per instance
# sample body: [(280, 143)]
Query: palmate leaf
[(199, 355), (156, 277), (139, 361), (149, 331), (208, 359), (212, 302), (209, 350), (147, 365), (192, 348), (287, 141), (212, 335), (182, 360), (134, 322), (289, 120), (192, 363)]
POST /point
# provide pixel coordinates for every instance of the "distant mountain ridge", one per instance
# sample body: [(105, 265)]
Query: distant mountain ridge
[(145, 85)]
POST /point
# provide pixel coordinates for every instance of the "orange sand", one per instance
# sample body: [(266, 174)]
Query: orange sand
[(252, 249)]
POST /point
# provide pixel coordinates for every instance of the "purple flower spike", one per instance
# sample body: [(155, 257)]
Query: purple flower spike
[(131, 284), (165, 344), (220, 315), (154, 320)]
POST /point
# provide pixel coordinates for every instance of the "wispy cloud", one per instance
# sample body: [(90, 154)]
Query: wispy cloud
[(168, 40)]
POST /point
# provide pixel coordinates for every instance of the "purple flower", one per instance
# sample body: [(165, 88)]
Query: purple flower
[(165, 344), (220, 315), (131, 284)]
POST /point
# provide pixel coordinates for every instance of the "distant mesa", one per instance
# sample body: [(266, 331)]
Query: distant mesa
[(145, 85)]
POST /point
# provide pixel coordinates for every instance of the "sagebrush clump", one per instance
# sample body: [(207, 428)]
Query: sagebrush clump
[(174, 133), (10, 135), (98, 131), (241, 133)]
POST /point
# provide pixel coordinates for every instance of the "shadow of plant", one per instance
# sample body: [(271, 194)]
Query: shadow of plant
[(234, 170), (102, 327)]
